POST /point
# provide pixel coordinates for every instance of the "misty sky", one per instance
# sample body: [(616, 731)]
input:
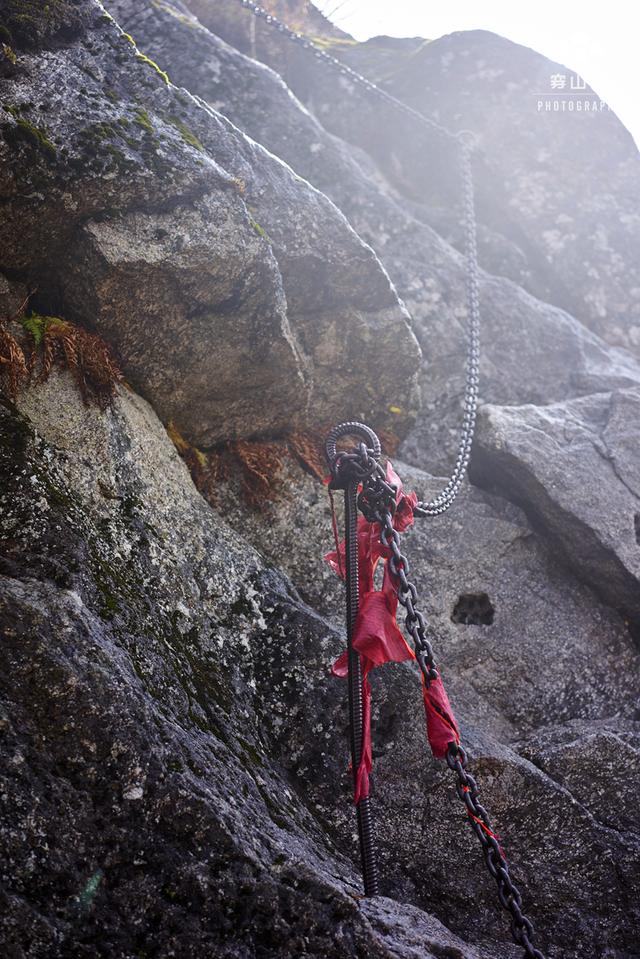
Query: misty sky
[(598, 41)]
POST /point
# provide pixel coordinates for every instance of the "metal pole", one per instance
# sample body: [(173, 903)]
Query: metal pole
[(363, 808)]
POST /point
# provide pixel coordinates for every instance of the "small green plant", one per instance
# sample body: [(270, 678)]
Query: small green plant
[(36, 136), (187, 135), (260, 230)]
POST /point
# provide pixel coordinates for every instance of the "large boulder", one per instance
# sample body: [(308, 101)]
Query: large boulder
[(427, 272), (574, 468), (240, 299)]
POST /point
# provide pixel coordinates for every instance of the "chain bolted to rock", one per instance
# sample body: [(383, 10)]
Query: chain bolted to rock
[(374, 638)]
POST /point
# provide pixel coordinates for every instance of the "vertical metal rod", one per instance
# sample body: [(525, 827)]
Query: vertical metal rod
[(363, 808)]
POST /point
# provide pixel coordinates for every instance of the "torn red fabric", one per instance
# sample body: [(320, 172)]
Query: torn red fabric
[(377, 638), (442, 727)]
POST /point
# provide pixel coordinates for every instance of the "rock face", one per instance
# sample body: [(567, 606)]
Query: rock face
[(527, 651), (559, 213), (426, 271), (598, 434), (174, 750), (158, 208), (134, 739)]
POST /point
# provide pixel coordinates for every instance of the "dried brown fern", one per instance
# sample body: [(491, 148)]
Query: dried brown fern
[(58, 343), (307, 447), (389, 441), (207, 469), (14, 373), (260, 463)]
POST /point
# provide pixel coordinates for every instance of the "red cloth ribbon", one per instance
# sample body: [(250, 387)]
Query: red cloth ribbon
[(377, 638)]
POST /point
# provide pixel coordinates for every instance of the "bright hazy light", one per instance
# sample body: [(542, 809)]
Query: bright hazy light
[(597, 41)]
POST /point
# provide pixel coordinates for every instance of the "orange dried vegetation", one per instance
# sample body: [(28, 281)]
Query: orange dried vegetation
[(86, 356), (308, 448), (261, 464), (13, 366), (207, 469), (50, 342)]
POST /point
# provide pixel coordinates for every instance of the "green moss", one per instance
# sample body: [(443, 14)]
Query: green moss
[(326, 43), (32, 22), (29, 132), (151, 63), (128, 37), (260, 230), (121, 161), (5, 35), (181, 17), (90, 73), (143, 120), (93, 135), (187, 135), (275, 811), (250, 752), (112, 95)]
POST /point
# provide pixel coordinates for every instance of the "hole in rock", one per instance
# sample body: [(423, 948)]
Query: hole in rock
[(636, 526), (473, 609)]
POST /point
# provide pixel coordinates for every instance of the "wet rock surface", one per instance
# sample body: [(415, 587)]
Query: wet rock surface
[(174, 750)]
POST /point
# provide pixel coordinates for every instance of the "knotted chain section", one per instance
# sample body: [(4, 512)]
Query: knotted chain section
[(377, 500), (467, 789), (466, 140)]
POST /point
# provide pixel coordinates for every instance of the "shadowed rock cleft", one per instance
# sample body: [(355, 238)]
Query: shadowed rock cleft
[(473, 609)]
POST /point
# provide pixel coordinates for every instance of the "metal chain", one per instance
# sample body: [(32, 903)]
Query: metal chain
[(446, 497), (377, 498), (377, 502), (467, 143)]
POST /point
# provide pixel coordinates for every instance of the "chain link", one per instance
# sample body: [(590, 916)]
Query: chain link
[(446, 497), (467, 142), (377, 502), (522, 930)]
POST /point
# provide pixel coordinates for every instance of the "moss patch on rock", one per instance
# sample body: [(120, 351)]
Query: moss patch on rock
[(30, 23), (187, 135), (26, 131)]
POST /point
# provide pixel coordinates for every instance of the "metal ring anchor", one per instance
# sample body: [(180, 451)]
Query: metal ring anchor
[(352, 428)]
